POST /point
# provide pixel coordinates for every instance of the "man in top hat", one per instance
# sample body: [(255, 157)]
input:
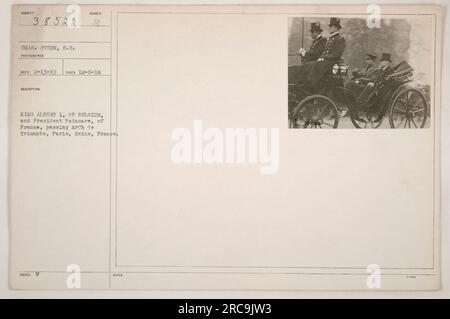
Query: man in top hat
[(311, 73), (334, 49), (317, 46), (384, 70), (362, 77), (385, 63)]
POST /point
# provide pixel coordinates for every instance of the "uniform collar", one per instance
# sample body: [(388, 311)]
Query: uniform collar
[(334, 34), (317, 38)]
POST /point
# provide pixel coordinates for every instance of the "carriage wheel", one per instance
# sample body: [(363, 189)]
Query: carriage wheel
[(366, 120), (409, 109), (316, 111)]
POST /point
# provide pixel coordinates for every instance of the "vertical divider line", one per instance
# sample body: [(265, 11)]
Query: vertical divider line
[(116, 130), (110, 151)]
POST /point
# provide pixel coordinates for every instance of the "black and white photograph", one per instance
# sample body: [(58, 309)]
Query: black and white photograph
[(360, 72)]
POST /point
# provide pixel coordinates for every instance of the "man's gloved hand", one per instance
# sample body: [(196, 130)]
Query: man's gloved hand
[(320, 59), (302, 52)]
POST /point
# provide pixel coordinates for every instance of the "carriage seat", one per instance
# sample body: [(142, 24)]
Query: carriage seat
[(400, 72)]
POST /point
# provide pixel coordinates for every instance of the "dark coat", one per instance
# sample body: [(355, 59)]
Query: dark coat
[(316, 50), (368, 90), (334, 49), (382, 74), (311, 73), (369, 73), (361, 78)]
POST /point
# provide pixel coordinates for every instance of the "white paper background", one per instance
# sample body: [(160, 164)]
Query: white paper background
[(4, 86)]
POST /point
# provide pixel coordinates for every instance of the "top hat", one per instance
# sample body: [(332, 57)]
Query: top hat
[(336, 22), (315, 27), (386, 57), (371, 56)]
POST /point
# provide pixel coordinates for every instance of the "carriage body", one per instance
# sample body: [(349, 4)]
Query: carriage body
[(392, 96), (318, 107)]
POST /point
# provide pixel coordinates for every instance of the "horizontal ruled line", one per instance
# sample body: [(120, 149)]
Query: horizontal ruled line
[(40, 58), (69, 75), (227, 273), (65, 26), (38, 41)]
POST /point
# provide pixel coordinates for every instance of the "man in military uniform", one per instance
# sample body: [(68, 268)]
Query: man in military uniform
[(335, 46), (362, 77), (370, 72), (383, 71), (311, 73), (317, 46)]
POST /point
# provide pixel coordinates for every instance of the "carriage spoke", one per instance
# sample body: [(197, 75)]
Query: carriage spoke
[(401, 111), (416, 105), (321, 110), (316, 112), (401, 107), (417, 110), (402, 100), (408, 109), (414, 100)]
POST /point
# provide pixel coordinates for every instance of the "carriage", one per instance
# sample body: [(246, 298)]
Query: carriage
[(405, 106)]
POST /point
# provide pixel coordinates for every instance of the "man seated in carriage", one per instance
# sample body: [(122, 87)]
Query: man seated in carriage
[(362, 77), (384, 70), (310, 74)]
